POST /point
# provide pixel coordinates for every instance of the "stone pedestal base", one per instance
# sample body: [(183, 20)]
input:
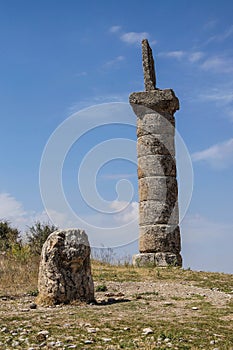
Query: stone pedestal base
[(157, 259)]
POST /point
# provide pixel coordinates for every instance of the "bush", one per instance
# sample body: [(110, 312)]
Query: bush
[(9, 237), (37, 235)]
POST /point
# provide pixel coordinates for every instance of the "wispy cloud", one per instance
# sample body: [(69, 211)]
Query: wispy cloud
[(114, 29), (81, 74), (181, 54), (222, 96), (130, 38), (91, 101), (210, 24), (134, 37), (195, 56), (219, 156), (223, 36), (178, 54), (114, 62), (218, 64)]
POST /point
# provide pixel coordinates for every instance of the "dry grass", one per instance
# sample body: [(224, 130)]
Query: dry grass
[(184, 309), (17, 275)]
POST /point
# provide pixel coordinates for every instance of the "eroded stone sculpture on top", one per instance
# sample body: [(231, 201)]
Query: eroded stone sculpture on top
[(159, 233)]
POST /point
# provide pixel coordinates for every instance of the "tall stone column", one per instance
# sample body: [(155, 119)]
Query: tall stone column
[(159, 233)]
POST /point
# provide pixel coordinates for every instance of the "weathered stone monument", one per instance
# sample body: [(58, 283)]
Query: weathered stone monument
[(159, 233), (65, 271)]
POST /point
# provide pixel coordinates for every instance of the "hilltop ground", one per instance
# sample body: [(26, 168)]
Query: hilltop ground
[(137, 308)]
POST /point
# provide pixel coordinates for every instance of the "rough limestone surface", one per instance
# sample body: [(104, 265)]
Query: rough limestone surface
[(159, 233), (65, 271), (148, 66)]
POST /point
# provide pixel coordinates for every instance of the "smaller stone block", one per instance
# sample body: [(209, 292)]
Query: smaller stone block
[(156, 165), (159, 188), (168, 259), (159, 238), (65, 271), (162, 144), (155, 123), (152, 213), (157, 260), (144, 260)]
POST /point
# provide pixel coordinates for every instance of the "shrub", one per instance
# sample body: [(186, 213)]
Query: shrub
[(37, 235), (9, 237)]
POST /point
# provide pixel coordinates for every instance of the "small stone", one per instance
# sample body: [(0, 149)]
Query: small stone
[(88, 341), (5, 330), (106, 339), (52, 343), (166, 340), (126, 328), (91, 330), (147, 331), (58, 343), (15, 343), (24, 332), (194, 308), (42, 335)]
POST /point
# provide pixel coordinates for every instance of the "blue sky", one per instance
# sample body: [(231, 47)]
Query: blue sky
[(58, 57)]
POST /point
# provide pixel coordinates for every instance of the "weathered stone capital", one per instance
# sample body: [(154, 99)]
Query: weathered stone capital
[(162, 101)]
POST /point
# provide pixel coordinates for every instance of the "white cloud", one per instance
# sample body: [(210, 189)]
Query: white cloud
[(127, 212), (131, 37), (195, 56), (134, 37), (180, 54), (219, 156), (114, 61), (10, 208), (13, 211), (115, 29), (218, 64)]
